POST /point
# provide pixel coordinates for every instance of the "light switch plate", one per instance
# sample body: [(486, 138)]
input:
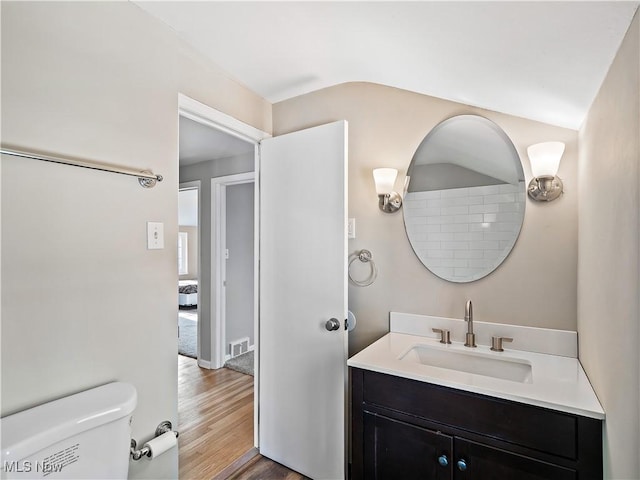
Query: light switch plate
[(155, 235), (351, 229)]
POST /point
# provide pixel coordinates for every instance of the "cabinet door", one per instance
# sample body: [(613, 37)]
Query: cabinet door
[(394, 450), (476, 461)]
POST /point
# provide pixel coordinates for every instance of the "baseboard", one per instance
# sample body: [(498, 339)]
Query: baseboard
[(204, 364)]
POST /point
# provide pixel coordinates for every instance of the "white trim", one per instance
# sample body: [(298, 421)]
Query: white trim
[(256, 298), (204, 364), (201, 113), (218, 246), (183, 253), (196, 184)]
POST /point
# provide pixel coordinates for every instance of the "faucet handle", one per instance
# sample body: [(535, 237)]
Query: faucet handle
[(445, 335), (496, 343)]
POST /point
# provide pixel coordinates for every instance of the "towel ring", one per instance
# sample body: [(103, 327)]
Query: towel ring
[(365, 257)]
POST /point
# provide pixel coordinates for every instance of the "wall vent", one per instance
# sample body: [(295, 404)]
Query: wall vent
[(238, 347)]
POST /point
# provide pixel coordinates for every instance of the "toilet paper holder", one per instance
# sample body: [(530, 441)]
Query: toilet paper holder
[(145, 451)]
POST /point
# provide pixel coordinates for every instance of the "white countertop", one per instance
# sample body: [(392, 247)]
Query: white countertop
[(558, 382)]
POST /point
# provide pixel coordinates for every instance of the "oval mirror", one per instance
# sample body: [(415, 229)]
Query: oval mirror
[(464, 198)]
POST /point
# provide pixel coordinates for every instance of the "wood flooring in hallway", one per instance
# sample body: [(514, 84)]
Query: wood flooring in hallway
[(215, 421)]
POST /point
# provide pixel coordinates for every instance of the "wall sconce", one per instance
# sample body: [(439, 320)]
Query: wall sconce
[(545, 160), (389, 201)]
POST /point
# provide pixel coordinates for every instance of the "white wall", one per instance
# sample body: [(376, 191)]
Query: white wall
[(204, 172), (84, 302), (536, 285), (608, 270)]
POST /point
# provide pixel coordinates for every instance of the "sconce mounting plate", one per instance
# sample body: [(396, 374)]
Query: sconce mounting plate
[(545, 189), (390, 203)]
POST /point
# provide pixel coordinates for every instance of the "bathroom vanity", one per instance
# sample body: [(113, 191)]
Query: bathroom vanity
[(422, 409)]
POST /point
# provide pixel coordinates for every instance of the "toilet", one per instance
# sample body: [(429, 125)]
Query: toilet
[(82, 436)]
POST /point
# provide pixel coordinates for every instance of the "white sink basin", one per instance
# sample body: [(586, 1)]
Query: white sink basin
[(477, 363)]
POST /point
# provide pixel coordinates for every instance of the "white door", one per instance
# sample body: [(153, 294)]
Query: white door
[(303, 284)]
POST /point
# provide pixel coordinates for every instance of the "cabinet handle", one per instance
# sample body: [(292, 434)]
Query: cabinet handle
[(462, 464), (443, 460)]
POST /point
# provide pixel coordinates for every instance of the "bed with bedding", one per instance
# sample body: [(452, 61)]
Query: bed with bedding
[(187, 293)]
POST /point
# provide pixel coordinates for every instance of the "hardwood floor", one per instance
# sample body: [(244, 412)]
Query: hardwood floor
[(215, 417), (215, 420), (261, 468)]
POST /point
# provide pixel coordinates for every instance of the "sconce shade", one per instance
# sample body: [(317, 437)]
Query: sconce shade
[(545, 185), (545, 158), (384, 178)]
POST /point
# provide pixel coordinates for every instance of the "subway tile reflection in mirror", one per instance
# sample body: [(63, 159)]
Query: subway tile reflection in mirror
[(462, 232)]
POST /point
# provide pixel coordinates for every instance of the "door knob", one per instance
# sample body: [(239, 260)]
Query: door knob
[(332, 324), (443, 460), (462, 464)]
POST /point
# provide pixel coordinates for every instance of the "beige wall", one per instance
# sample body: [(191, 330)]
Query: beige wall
[(83, 301), (535, 286), (192, 252), (608, 271)]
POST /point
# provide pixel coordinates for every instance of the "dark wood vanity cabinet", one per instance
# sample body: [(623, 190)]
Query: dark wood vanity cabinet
[(394, 449), (406, 429)]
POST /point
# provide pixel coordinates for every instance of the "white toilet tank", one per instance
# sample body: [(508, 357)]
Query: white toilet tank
[(82, 436)]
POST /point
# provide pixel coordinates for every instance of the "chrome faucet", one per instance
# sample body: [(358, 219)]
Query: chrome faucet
[(470, 339)]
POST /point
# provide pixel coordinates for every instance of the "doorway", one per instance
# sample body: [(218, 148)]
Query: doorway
[(222, 163), (188, 268), (305, 358), (233, 206)]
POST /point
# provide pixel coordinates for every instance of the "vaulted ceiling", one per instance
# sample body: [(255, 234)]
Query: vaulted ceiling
[(539, 60)]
